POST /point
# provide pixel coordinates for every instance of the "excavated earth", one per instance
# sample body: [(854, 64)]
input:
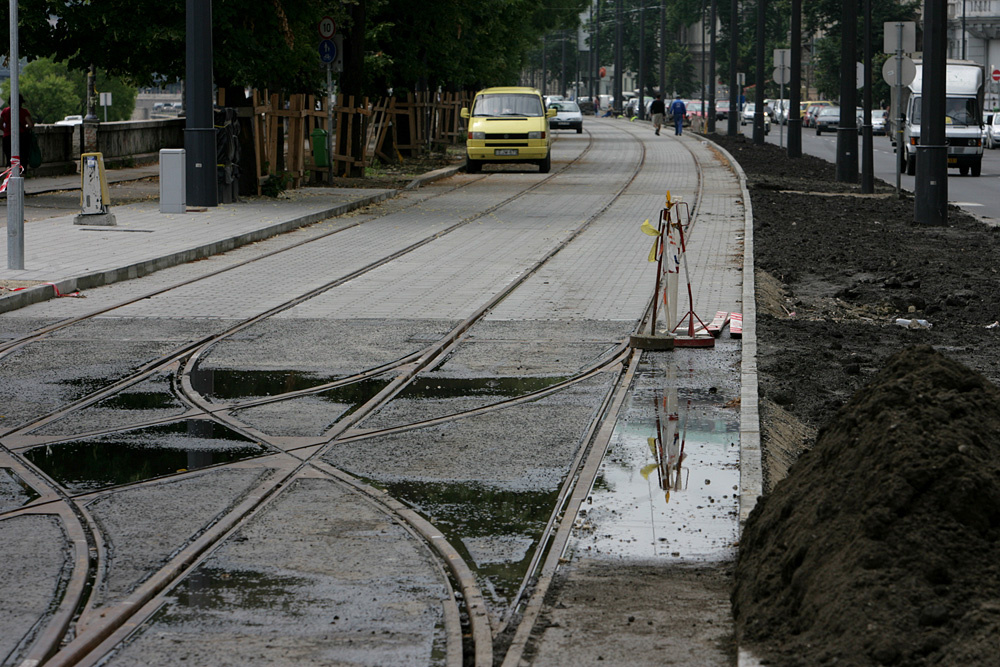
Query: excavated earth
[(876, 542)]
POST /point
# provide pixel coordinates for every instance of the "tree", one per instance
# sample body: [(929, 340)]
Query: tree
[(52, 91)]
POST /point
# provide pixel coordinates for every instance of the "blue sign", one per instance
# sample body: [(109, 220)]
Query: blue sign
[(327, 51)]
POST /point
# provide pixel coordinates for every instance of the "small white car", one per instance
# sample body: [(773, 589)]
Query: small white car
[(568, 116), (70, 120), (993, 130)]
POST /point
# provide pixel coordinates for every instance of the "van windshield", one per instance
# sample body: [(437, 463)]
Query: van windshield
[(957, 111), (508, 104)]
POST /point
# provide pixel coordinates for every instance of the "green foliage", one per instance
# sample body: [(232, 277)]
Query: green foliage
[(821, 58), (275, 184), (52, 91)]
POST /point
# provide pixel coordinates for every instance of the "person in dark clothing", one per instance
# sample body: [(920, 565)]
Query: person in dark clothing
[(677, 110), (27, 123), (656, 110)]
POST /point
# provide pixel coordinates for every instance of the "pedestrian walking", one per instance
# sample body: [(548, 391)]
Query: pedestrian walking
[(657, 108), (677, 110), (27, 123)]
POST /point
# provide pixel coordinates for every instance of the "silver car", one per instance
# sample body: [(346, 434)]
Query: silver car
[(993, 130), (567, 116)]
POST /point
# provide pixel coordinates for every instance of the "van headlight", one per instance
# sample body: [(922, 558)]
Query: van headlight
[(477, 136), (536, 135)]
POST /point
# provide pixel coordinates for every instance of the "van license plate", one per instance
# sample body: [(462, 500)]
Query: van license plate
[(505, 151), (953, 160)]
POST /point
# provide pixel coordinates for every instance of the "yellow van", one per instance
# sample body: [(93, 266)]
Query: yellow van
[(508, 125)]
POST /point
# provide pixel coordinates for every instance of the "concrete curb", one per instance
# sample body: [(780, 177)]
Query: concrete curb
[(751, 470), (51, 290)]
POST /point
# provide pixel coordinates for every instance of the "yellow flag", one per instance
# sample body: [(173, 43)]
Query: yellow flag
[(649, 229), (652, 251)]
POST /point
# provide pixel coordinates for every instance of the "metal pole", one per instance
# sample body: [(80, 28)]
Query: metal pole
[(847, 128), (930, 202), (15, 186), (758, 114), (795, 94), (702, 21), (199, 130), (899, 108), (329, 122), (663, 50), (642, 60), (867, 145), (619, 17), (734, 92), (963, 29), (781, 96), (545, 71), (711, 74)]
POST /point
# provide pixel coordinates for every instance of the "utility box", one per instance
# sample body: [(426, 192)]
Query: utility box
[(319, 148), (173, 195)]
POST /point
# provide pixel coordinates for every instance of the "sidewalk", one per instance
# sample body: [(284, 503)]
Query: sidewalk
[(61, 257)]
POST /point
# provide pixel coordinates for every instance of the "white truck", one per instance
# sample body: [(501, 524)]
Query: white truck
[(963, 116)]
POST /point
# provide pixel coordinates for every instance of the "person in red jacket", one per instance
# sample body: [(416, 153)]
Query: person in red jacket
[(26, 125)]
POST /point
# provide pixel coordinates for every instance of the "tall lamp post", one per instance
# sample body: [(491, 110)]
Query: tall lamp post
[(15, 185)]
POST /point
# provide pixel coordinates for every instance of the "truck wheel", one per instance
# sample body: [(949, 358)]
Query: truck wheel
[(818, 131), (473, 166), (911, 164), (964, 171), (545, 165), (977, 168)]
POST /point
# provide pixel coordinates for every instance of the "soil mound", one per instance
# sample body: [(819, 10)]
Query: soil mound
[(881, 546)]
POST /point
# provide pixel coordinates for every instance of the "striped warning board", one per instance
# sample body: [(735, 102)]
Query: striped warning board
[(736, 325), (718, 323)]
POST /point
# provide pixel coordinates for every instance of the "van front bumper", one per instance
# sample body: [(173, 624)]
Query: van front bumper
[(510, 152)]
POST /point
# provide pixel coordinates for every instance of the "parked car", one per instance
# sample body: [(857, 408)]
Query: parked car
[(70, 120), (748, 113), (568, 115), (721, 109), (693, 111), (827, 119), (993, 130), (878, 121)]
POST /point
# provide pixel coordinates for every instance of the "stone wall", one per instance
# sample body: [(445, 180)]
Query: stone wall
[(123, 143)]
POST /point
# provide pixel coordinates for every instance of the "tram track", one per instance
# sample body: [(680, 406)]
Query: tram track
[(102, 634)]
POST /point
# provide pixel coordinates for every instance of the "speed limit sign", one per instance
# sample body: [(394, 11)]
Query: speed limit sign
[(327, 27)]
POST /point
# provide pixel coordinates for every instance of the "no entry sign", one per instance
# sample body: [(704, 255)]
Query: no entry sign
[(996, 74)]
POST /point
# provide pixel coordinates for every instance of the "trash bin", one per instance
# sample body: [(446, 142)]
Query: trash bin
[(320, 156)]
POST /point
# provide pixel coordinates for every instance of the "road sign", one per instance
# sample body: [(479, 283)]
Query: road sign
[(338, 62), (891, 37), (859, 69), (906, 69), (327, 27), (996, 74), (781, 75), (327, 51), (782, 57)]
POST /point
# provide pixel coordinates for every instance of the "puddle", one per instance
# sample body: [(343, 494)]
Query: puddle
[(508, 387), (133, 456), (496, 531), (217, 589), (668, 485), (231, 385), (14, 492)]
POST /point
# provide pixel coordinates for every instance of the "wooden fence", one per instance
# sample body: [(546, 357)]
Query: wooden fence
[(282, 128)]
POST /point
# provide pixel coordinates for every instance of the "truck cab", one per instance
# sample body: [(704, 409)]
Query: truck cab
[(963, 117)]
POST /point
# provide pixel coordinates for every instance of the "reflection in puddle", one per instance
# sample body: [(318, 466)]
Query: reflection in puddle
[(495, 530), (440, 387), (219, 589), (668, 485), (227, 385), (134, 456), (14, 491)]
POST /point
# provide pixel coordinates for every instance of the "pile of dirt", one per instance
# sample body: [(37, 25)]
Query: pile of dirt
[(882, 545), (840, 268)]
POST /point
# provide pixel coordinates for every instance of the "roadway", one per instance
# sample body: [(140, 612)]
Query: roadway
[(977, 195)]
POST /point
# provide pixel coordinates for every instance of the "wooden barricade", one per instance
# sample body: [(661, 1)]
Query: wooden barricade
[(282, 130)]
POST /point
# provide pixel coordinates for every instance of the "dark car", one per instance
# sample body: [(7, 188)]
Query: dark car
[(827, 119)]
